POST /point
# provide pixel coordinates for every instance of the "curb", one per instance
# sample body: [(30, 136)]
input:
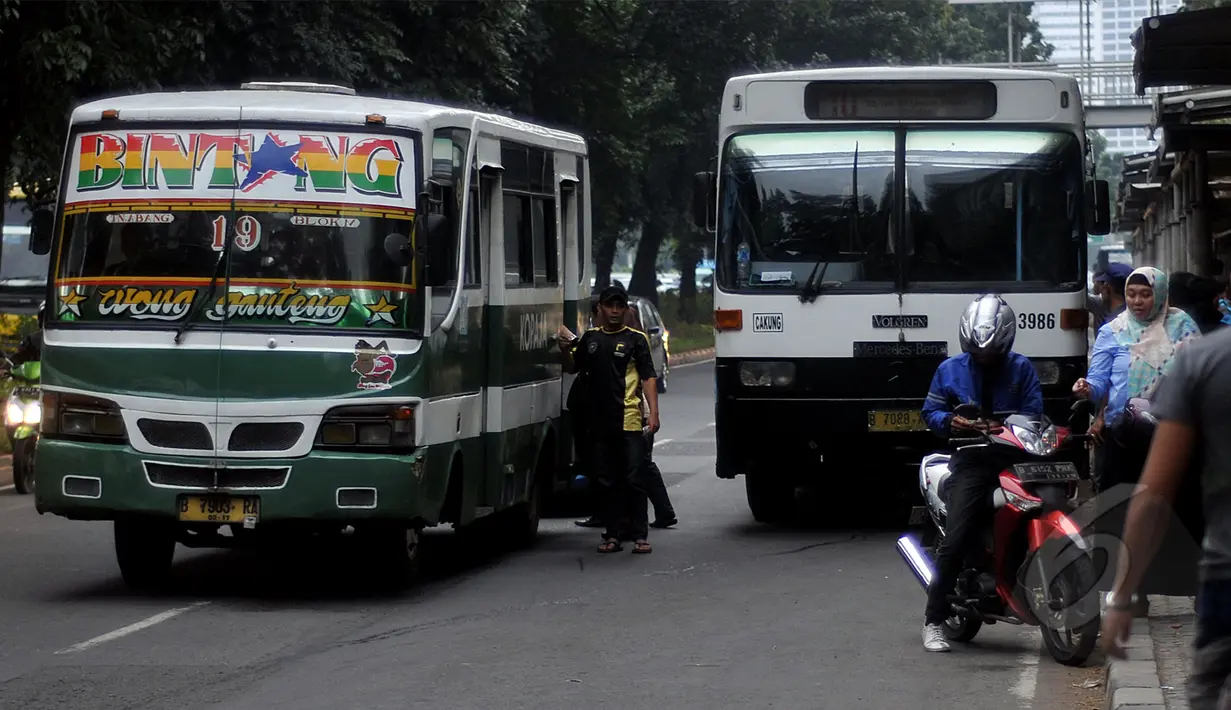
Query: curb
[(691, 356), (1134, 683)]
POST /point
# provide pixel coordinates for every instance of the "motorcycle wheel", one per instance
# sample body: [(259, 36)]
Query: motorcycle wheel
[(1073, 586), (23, 466)]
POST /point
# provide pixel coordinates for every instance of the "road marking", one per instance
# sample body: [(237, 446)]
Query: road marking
[(130, 629), (9, 487), (1027, 683), (691, 364), (663, 441)]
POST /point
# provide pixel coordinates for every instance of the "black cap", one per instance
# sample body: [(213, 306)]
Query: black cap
[(613, 293)]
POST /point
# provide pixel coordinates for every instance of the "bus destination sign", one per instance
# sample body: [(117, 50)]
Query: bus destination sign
[(900, 100)]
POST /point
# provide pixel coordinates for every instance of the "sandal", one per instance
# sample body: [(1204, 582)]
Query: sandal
[(610, 545), (642, 547)]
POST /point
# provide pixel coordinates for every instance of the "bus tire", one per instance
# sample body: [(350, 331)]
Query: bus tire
[(771, 498), (525, 517), (392, 554), (23, 465), (144, 551)]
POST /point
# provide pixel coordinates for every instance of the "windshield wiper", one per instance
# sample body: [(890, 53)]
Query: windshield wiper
[(812, 287), (223, 259), (34, 277)]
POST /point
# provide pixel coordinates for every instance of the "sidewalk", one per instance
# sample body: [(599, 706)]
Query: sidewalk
[(1154, 675), (691, 356)]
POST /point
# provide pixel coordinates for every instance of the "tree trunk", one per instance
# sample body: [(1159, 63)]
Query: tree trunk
[(645, 268), (686, 258), (604, 254)]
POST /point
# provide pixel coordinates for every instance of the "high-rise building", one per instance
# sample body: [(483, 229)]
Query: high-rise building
[(1111, 25)]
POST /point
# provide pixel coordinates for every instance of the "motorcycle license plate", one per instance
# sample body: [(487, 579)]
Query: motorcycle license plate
[(26, 392), (1049, 472)]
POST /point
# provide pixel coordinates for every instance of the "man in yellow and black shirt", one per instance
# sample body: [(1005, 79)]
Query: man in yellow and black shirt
[(615, 360)]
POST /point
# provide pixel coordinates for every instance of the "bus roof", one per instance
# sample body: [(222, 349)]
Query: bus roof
[(902, 73), (304, 106)]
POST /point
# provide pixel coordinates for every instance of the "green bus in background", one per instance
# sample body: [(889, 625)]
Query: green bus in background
[(288, 310)]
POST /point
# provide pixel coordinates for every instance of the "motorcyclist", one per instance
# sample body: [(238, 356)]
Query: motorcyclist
[(989, 375), (31, 347)]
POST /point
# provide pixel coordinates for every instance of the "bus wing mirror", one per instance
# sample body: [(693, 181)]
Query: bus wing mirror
[(397, 248), (703, 200), (41, 225), (1098, 207), (427, 228)]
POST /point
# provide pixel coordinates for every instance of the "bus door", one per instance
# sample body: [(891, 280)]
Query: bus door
[(570, 174)]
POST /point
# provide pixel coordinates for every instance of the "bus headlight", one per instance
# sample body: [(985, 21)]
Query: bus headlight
[(767, 374), (368, 427), (1048, 371)]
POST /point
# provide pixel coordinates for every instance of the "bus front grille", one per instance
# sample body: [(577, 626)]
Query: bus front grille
[(174, 476), (176, 434), (265, 436)]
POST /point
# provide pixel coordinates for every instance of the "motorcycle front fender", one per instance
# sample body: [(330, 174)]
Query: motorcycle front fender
[(1054, 525), (25, 431)]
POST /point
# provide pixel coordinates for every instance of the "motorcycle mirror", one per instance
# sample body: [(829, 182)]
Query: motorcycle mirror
[(1082, 406), (967, 411)]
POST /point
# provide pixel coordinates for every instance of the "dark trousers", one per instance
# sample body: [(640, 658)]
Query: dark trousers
[(1173, 571), (1211, 669), (583, 454), (976, 473), (655, 487), (618, 462)]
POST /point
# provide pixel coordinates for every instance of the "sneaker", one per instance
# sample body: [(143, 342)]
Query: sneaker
[(590, 522), (934, 638)]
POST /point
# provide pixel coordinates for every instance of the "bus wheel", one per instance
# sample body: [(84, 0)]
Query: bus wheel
[(525, 517), (770, 497), (144, 551), (392, 554)]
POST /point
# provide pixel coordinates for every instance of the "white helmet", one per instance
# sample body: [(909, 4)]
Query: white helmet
[(988, 326)]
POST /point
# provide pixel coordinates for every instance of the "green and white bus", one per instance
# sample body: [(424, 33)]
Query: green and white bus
[(277, 311)]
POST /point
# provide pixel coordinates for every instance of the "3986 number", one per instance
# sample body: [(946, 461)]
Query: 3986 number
[(1036, 321)]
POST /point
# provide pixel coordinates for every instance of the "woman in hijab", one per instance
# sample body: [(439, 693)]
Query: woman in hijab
[(1132, 354)]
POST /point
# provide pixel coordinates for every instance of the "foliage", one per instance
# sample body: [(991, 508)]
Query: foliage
[(640, 79)]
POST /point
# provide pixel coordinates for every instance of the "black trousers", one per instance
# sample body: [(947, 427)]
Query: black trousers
[(655, 487), (1173, 571), (976, 473), (618, 462)]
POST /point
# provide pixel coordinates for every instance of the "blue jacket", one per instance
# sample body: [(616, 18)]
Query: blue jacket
[(959, 380)]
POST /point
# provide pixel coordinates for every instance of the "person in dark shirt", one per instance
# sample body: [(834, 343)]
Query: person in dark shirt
[(616, 366), (656, 488)]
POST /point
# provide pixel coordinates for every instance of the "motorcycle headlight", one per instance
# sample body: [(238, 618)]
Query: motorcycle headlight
[(33, 414), (1039, 445), (13, 413)]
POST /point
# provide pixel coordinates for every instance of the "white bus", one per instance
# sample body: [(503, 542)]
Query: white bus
[(856, 212)]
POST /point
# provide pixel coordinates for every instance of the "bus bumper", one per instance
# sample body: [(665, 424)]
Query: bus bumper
[(86, 481), (803, 438)]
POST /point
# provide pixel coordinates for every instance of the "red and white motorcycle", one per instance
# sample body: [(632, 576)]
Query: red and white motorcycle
[(1035, 568)]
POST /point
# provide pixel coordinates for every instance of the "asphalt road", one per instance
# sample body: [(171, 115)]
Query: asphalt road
[(725, 614)]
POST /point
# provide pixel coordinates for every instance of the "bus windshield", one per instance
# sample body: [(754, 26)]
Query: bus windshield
[(294, 261), (995, 209)]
